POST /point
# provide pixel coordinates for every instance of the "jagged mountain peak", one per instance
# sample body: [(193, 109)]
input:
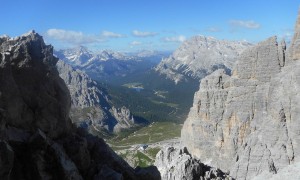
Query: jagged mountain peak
[(240, 123), (199, 56), (37, 139)]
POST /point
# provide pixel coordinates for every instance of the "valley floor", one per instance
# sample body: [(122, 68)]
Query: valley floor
[(140, 147)]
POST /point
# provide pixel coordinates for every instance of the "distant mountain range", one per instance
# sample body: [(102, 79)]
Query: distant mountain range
[(156, 72), (200, 56), (105, 63)]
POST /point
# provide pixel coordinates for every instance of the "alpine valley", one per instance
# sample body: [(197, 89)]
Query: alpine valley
[(209, 110)]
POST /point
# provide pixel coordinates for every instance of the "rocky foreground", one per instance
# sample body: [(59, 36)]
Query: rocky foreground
[(37, 138), (248, 123)]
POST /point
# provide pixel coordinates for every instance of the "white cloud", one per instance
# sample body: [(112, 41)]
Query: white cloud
[(213, 29), (244, 24), (109, 34), (143, 34), (176, 39), (72, 37), (135, 43)]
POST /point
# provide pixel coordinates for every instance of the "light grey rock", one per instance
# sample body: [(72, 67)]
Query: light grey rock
[(248, 123), (178, 164), (286, 173), (200, 56), (90, 106), (83, 90), (295, 44), (124, 118)]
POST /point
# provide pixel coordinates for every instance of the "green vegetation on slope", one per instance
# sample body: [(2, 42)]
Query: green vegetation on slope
[(155, 132), (127, 145), (159, 100)]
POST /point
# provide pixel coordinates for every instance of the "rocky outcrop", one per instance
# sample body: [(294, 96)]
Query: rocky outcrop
[(90, 106), (248, 122), (200, 56), (124, 118), (83, 90), (286, 173), (31, 93), (178, 164), (295, 44), (37, 139)]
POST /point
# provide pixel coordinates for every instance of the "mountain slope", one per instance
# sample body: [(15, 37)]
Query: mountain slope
[(104, 64), (200, 56), (248, 123), (37, 139), (90, 107)]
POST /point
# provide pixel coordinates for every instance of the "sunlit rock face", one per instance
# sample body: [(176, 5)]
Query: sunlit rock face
[(200, 56), (249, 122)]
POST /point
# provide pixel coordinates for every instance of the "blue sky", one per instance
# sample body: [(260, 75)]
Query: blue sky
[(143, 24)]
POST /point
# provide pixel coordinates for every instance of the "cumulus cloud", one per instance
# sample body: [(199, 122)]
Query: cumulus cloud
[(244, 24), (176, 39), (143, 34), (109, 34), (72, 37), (135, 43)]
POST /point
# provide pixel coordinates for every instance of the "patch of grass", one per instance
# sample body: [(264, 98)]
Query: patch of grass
[(173, 105), (153, 151), (142, 160), (155, 132)]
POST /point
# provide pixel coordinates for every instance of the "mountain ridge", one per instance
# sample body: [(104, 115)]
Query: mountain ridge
[(200, 56), (91, 107), (37, 138)]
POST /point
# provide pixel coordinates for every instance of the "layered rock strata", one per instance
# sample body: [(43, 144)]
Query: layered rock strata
[(248, 122), (200, 56), (178, 164)]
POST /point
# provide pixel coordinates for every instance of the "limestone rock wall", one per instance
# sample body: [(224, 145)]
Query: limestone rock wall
[(248, 123)]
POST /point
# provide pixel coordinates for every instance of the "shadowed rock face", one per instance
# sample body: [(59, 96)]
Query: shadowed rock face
[(37, 139), (90, 106), (31, 93), (249, 122)]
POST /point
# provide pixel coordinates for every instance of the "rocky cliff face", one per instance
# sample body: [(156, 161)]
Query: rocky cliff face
[(178, 164), (200, 56), (248, 122), (37, 139), (31, 94), (90, 107)]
